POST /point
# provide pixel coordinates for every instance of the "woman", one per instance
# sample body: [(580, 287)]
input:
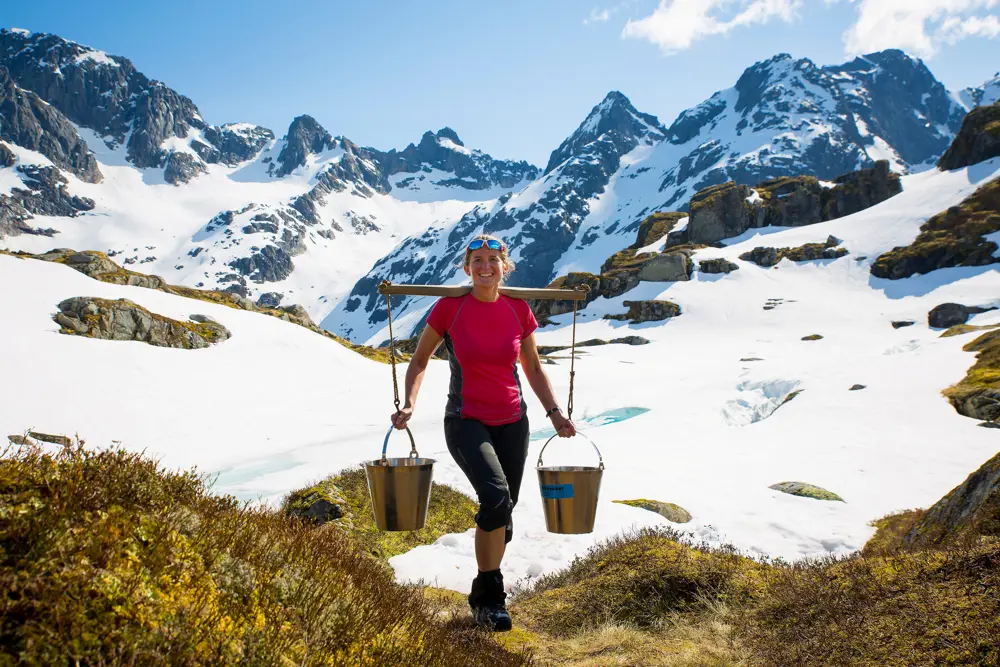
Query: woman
[(486, 421)]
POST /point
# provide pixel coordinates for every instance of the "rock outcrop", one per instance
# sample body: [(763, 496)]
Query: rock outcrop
[(669, 511), (767, 257), (667, 267), (647, 311), (978, 394), (728, 210), (978, 140), (124, 320), (806, 491), (956, 237), (717, 265)]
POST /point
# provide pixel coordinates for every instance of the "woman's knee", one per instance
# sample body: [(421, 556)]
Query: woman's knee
[(494, 509)]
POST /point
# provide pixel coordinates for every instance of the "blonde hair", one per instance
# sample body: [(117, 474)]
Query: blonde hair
[(504, 257)]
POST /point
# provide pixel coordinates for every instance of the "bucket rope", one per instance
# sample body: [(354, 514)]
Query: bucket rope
[(572, 370), (383, 286)]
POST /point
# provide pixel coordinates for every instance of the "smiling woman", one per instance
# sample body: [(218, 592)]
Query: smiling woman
[(486, 421)]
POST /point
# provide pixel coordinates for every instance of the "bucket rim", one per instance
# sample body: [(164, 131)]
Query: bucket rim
[(400, 462), (570, 469)]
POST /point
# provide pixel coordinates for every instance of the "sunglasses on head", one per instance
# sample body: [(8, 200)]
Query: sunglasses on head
[(492, 244)]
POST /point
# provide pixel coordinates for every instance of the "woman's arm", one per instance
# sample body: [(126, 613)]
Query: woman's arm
[(539, 381), (428, 343)]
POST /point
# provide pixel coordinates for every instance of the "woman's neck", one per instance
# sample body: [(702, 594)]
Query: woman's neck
[(487, 294)]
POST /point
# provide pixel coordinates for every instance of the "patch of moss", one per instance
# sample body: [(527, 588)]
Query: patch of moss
[(890, 531), (960, 329), (982, 381), (450, 511), (655, 227), (668, 511), (955, 237)]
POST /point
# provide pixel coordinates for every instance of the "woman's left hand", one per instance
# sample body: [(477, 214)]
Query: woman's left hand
[(564, 427)]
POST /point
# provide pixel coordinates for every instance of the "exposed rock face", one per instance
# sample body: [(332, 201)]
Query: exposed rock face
[(269, 264), (472, 169), (97, 266), (717, 265), (728, 210), (46, 193), (33, 124), (806, 491), (977, 395), (655, 227), (950, 314), (670, 266), (768, 257), (969, 512), (305, 137), (647, 311), (7, 157), (978, 140), (182, 168), (233, 143), (124, 320), (108, 95)]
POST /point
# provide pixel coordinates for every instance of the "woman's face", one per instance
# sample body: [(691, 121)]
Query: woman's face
[(485, 267)]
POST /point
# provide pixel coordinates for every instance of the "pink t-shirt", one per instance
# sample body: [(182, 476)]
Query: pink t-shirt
[(483, 341)]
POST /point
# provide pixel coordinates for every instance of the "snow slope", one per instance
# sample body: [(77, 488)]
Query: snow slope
[(277, 407)]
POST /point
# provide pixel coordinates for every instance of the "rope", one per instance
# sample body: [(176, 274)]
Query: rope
[(572, 362), (392, 344)]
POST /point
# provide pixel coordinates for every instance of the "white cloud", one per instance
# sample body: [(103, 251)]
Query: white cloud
[(919, 26), (677, 24), (596, 16)]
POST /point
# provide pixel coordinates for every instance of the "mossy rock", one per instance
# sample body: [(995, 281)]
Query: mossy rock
[(961, 329), (978, 394), (668, 511), (813, 337), (450, 511), (656, 227), (804, 490)]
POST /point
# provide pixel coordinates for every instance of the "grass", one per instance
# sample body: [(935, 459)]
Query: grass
[(450, 511), (107, 559)]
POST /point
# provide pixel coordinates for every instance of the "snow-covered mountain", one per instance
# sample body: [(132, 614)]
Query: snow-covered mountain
[(783, 117), (231, 206), (981, 96)]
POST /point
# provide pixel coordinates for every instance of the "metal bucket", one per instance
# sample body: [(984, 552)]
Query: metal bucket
[(569, 494), (400, 489)]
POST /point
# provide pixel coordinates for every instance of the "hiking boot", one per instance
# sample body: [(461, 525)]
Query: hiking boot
[(487, 600), (493, 617)]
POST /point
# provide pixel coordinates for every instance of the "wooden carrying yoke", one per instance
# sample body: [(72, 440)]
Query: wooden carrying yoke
[(577, 294)]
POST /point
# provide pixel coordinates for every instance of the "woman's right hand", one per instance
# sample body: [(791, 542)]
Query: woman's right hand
[(401, 418)]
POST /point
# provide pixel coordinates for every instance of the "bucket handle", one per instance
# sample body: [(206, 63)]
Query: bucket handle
[(385, 445), (599, 457)]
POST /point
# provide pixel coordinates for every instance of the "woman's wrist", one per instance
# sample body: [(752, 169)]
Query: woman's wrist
[(553, 410)]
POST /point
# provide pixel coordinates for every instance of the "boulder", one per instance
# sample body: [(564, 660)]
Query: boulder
[(668, 511), (269, 299), (806, 491), (857, 387), (761, 256), (950, 314), (717, 265), (667, 267), (318, 504), (647, 311), (812, 337), (721, 212), (631, 340), (124, 320), (899, 324)]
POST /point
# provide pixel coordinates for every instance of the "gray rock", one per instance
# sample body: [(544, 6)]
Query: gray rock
[(667, 267), (269, 299), (721, 212), (647, 311), (761, 256), (899, 324), (305, 137), (950, 314), (182, 168), (717, 265), (7, 157), (631, 340), (270, 264), (857, 387), (46, 193), (977, 141)]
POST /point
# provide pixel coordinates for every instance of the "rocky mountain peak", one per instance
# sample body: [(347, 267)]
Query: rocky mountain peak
[(448, 133), (305, 137), (615, 114)]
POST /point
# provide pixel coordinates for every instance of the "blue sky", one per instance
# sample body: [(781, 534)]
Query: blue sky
[(513, 78)]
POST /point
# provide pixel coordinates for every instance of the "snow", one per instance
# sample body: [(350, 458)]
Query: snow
[(277, 407), (445, 142), (20, 31), (97, 57)]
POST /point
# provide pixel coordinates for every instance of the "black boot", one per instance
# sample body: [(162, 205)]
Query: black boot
[(487, 600)]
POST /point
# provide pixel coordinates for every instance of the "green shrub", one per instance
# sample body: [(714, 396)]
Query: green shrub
[(107, 559)]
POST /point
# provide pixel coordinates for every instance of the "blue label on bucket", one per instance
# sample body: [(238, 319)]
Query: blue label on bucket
[(557, 491)]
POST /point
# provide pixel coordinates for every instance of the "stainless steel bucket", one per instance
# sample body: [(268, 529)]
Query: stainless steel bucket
[(400, 488), (569, 494)]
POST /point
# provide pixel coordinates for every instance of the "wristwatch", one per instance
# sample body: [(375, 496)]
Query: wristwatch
[(548, 413)]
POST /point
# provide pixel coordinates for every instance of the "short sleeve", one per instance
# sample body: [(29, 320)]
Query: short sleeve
[(528, 321), (440, 318)]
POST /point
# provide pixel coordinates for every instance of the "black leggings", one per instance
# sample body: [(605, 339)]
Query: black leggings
[(492, 457)]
